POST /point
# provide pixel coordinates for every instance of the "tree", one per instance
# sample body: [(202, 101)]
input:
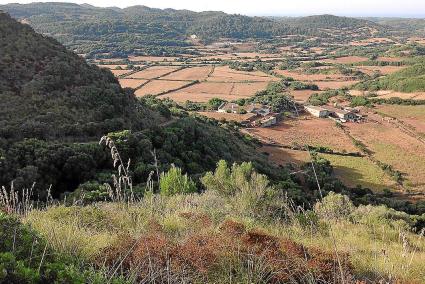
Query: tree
[(174, 182)]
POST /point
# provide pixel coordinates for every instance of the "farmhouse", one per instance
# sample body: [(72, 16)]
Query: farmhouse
[(342, 114), (317, 111), (229, 108)]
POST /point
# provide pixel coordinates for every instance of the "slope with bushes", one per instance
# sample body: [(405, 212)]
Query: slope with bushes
[(410, 79)]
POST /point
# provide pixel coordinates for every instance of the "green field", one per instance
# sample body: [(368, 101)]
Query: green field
[(355, 171)]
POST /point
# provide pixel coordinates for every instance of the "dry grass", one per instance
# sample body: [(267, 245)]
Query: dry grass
[(202, 239)]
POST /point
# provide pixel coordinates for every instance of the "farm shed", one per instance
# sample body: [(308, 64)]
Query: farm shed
[(342, 114), (317, 111)]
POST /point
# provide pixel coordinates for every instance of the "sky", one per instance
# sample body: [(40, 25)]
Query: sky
[(400, 8)]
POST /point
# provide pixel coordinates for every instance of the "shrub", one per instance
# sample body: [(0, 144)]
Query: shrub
[(174, 182), (334, 206)]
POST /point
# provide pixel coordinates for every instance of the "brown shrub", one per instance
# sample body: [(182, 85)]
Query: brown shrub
[(197, 219), (199, 255), (232, 228)]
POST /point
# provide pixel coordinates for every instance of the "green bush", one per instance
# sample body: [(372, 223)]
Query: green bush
[(174, 182)]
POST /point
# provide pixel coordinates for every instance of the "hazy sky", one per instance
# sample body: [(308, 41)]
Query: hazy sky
[(276, 7)]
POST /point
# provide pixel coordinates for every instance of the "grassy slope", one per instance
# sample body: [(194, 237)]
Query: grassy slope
[(374, 248)]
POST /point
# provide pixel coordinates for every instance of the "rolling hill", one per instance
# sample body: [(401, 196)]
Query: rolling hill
[(50, 93), (142, 30)]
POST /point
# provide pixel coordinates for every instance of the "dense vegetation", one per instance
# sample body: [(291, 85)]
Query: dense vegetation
[(410, 79), (55, 107), (114, 32), (242, 228), (49, 93)]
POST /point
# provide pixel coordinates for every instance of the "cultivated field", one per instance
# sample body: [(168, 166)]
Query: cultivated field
[(392, 146), (190, 74), (411, 115), (131, 83), (156, 87), (153, 72), (352, 171), (225, 74), (311, 131), (384, 70), (303, 95)]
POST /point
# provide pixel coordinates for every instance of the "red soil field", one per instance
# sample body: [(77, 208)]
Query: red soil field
[(323, 85), (303, 95), (152, 72), (190, 74), (158, 86), (311, 131), (225, 74), (385, 70), (205, 91), (131, 83)]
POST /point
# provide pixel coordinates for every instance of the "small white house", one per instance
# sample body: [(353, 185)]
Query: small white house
[(317, 111)]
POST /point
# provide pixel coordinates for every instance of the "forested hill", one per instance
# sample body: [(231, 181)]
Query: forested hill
[(331, 22), (142, 30), (51, 93)]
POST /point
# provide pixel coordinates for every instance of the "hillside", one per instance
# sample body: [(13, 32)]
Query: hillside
[(331, 22), (54, 107), (112, 32), (410, 79), (48, 92)]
